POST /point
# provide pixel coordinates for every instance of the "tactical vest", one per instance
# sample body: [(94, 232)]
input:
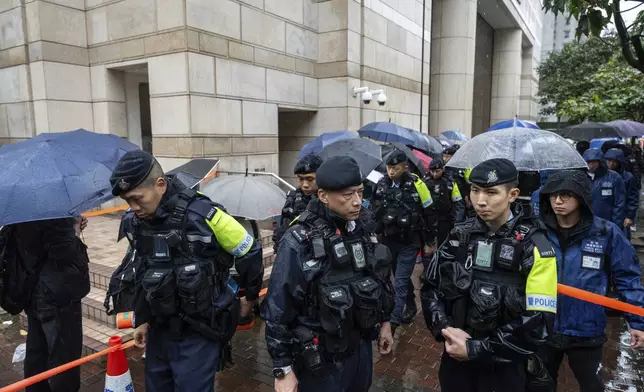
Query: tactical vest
[(402, 212), (491, 279), (179, 280), (354, 292), (441, 190)]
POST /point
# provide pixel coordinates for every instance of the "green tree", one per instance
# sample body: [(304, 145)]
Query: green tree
[(595, 15), (567, 73), (616, 93)]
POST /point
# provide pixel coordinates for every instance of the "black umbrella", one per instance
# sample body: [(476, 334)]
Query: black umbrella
[(592, 130), (192, 172), (425, 143), (415, 164), (365, 152)]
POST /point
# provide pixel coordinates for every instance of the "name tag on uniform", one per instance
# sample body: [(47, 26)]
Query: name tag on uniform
[(592, 262), (607, 192), (484, 252)]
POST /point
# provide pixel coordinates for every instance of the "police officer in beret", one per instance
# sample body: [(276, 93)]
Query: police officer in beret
[(402, 204), (297, 200), (329, 295), (186, 306), (460, 178), (492, 290), (448, 206)]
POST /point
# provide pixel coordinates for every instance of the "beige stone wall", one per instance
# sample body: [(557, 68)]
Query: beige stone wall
[(483, 67), (506, 74)]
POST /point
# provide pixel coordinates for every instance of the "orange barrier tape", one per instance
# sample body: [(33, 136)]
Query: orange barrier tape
[(599, 300), (104, 211), (52, 372)]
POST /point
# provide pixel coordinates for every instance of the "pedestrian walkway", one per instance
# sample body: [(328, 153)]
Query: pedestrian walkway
[(413, 368)]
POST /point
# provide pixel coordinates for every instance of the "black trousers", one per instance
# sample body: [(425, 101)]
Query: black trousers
[(54, 337), (474, 376), (584, 363)]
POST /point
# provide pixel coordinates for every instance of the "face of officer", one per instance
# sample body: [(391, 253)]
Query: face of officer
[(593, 165), (446, 158), (564, 203), (396, 171), (612, 164), (144, 199), (493, 203), (346, 203), (437, 173), (307, 184)]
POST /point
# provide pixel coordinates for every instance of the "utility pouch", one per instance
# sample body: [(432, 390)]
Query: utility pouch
[(336, 317), (366, 298), (160, 289), (483, 312), (194, 288)]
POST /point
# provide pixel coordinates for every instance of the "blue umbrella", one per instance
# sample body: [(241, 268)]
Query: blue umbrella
[(455, 135), (316, 145), (513, 123), (57, 175), (387, 132), (425, 143)]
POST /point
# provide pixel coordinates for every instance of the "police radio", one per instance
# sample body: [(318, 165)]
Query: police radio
[(340, 254)]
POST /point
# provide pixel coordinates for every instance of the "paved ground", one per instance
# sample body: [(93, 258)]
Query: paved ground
[(413, 367)]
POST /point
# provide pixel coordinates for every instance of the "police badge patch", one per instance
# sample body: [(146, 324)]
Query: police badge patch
[(506, 252), (358, 255), (491, 176), (123, 185)]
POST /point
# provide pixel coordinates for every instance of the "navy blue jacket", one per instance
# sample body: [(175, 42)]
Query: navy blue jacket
[(632, 189), (609, 191)]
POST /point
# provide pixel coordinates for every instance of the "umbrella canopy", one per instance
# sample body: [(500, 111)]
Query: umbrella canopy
[(592, 130), (425, 143), (455, 135), (191, 173), (416, 165), (316, 145), (628, 128), (387, 132), (424, 159), (365, 152), (246, 196), (57, 175), (513, 123), (528, 150)]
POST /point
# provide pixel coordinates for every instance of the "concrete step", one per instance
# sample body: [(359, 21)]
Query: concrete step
[(93, 309)]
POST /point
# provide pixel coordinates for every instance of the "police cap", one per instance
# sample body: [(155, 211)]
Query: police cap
[(436, 164), (450, 150), (308, 164), (338, 173), (493, 172), (130, 171), (396, 157)]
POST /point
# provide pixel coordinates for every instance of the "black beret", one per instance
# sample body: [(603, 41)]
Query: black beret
[(436, 164), (308, 164), (338, 173), (396, 157), (449, 151), (494, 172), (130, 171)]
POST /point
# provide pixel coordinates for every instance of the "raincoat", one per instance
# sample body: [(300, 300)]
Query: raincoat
[(585, 256), (632, 189), (608, 190)]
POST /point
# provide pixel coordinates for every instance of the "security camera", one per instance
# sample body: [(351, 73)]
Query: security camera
[(382, 99), (366, 97)]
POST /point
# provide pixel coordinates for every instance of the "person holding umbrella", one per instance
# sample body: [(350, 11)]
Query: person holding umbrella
[(297, 200), (609, 191), (186, 306), (401, 204)]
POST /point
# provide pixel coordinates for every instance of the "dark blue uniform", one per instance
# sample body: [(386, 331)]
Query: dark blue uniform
[(632, 188), (609, 191)]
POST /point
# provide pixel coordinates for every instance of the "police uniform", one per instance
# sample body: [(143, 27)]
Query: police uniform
[(297, 200), (187, 249), (500, 288), (448, 206), (403, 216), (328, 294)]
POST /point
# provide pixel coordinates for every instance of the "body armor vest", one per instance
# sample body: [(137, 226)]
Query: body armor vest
[(490, 281), (354, 293), (441, 191), (399, 213), (179, 280)]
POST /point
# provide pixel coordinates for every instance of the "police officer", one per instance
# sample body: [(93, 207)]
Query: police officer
[(492, 289), (186, 310), (448, 206), (616, 161), (609, 191), (460, 178), (329, 295), (402, 208), (297, 200)]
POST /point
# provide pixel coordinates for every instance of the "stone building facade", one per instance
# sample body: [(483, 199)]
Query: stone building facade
[(250, 81)]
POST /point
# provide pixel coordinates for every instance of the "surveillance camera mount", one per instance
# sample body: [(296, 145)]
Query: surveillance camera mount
[(377, 92), (358, 90)]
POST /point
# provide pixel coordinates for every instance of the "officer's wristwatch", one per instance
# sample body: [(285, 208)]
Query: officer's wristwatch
[(280, 373)]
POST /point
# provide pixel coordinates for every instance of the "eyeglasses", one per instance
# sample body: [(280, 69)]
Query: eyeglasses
[(564, 196)]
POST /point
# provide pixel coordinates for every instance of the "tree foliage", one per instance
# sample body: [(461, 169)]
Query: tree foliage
[(595, 15), (616, 93), (567, 73)]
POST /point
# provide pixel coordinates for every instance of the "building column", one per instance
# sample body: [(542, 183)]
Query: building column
[(452, 65), (506, 75), (528, 104)]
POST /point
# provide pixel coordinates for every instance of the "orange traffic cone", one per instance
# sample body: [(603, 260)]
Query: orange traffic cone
[(117, 377)]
